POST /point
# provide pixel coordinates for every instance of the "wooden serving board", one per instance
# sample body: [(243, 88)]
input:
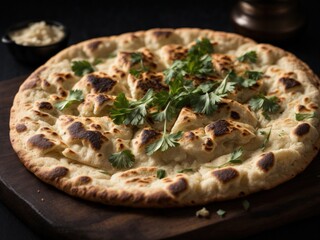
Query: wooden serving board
[(54, 214)]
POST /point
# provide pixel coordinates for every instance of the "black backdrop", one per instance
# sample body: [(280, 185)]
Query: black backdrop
[(88, 19)]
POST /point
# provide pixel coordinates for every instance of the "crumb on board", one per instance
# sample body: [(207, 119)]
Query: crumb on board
[(203, 212)]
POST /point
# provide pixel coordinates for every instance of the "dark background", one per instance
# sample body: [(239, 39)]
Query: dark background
[(89, 19)]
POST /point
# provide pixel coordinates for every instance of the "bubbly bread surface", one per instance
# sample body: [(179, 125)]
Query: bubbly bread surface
[(71, 148)]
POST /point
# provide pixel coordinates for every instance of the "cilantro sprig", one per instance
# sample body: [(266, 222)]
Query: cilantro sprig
[(207, 97), (197, 63), (161, 173), (303, 116), (182, 92), (235, 158), (81, 68), (75, 96), (249, 57), (185, 170), (269, 105), (266, 138), (137, 58), (248, 79), (122, 160), (134, 112)]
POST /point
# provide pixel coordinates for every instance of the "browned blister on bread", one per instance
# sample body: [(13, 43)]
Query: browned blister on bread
[(70, 148)]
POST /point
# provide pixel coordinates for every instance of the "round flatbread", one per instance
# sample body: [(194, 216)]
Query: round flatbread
[(167, 117)]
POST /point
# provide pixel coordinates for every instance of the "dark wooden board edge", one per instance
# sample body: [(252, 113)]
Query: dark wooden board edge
[(296, 199)]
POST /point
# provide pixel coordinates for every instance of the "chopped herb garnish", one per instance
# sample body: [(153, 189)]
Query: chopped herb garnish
[(105, 172), (203, 98), (165, 142), (122, 160), (197, 63), (245, 204), (248, 79), (303, 116), (221, 212), (73, 97), (235, 158), (185, 170), (202, 47), (134, 113), (137, 58), (269, 105), (112, 55), (249, 57), (266, 138), (97, 61), (161, 173), (81, 68), (206, 99)]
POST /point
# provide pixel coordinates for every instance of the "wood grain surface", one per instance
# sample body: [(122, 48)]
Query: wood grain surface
[(53, 214)]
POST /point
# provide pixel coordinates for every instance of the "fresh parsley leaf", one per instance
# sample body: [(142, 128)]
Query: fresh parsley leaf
[(122, 160), (206, 103), (254, 75), (199, 67), (185, 170), (197, 63), (97, 61), (266, 138), (81, 68), (236, 156), (120, 110), (165, 142), (303, 116), (268, 105), (136, 72), (245, 204), (249, 57), (221, 212), (112, 55), (248, 79), (176, 69), (201, 47), (137, 57), (105, 172), (73, 97), (134, 113), (225, 87), (161, 173), (165, 115)]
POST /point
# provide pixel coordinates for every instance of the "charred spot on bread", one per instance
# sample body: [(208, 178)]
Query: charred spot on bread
[(178, 186), (101, 82), (39, 141), (289, 82), (57, 173), (219, 127), (225, 175), (302, 129), (20, 127), (77, 131), (162, 33), (147, 135), (234, 115), (266, 161), (45, 105)]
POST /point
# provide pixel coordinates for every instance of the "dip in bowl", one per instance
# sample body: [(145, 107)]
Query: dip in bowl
[(34, 42)]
